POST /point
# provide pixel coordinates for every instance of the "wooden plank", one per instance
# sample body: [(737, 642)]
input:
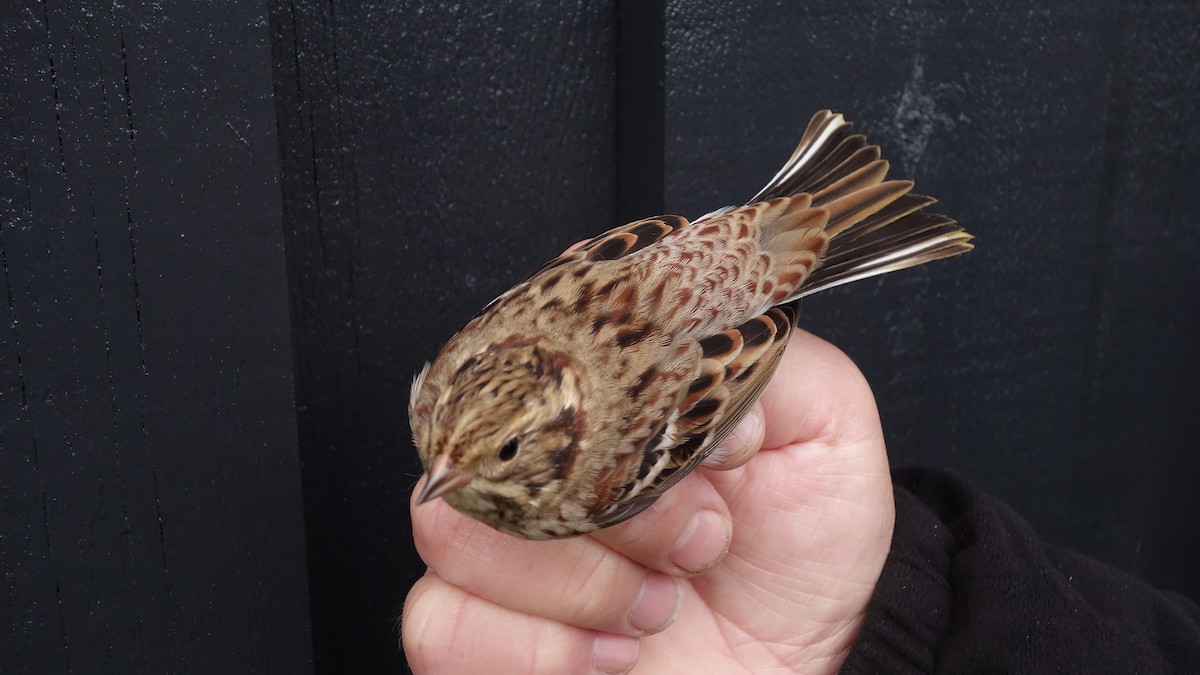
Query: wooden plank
[(149, 474), (1136, 455), (641, 54), (433, 155)]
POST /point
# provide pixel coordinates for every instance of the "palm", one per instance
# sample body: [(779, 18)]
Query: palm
[(812, 516)]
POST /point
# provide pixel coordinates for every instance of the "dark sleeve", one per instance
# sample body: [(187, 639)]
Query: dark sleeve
[(969, 588)]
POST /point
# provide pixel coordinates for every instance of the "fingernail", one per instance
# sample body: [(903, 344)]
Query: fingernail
[(658, 604), (614, 654), (744, 440), (703, 544)]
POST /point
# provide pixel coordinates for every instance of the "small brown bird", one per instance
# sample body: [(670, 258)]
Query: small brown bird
[(571, 402)]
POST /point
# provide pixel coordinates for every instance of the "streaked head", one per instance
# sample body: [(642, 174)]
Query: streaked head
[(504, 432)]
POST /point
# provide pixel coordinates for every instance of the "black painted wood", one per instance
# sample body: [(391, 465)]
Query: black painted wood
[(641, 62), (433, 155), (1056, 364), (150, 514)]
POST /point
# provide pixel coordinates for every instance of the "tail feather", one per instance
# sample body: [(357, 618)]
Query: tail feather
[(868, 175), (826, 130), (874, 225), (848, 156), (913, 253), (864, 202)]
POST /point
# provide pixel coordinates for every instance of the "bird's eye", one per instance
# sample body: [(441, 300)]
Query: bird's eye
[(509, 450)]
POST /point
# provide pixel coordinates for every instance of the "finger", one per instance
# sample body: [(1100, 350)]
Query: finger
[(817, 393), (575, 581), (739, 448), (815, 507), (444, 629), (686, 532)]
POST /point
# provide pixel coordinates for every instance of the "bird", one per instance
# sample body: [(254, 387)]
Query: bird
[(575, 399)]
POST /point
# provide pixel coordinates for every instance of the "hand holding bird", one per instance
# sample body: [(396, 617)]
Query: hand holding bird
[(791, 543)]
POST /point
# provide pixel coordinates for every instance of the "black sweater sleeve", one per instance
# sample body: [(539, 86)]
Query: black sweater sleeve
[(969, 588)]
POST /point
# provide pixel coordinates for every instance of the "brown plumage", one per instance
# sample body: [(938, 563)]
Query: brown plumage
[(576, 398)]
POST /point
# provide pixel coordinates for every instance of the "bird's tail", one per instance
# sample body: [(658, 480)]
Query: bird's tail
[(874, 226)]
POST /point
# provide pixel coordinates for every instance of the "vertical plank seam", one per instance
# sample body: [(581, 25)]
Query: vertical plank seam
[(1098, 277), (41, 484), (131, 132)]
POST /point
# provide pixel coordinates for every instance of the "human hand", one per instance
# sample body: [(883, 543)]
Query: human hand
[(802, 485)]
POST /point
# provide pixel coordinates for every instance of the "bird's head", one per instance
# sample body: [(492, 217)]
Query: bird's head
[(505, 431)]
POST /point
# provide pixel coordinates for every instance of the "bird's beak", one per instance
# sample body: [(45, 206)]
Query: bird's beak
[(442, 478)]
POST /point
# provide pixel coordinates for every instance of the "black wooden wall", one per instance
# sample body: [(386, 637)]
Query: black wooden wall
[(149, 483), (230, 235)]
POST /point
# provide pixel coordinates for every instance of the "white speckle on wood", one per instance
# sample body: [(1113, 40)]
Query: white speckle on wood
[(917, 117)]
